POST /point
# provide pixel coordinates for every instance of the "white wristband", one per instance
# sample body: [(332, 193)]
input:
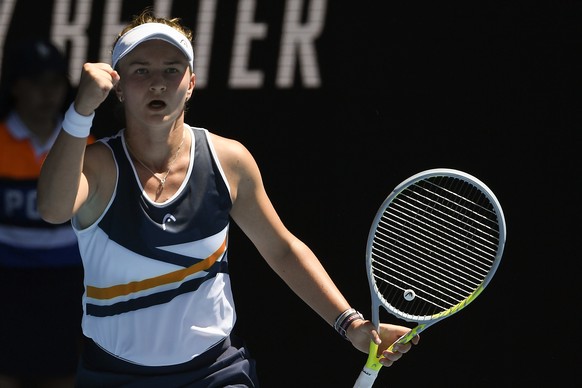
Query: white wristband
[(76, 124)]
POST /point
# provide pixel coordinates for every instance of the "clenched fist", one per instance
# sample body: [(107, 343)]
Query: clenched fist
[(97, 80)]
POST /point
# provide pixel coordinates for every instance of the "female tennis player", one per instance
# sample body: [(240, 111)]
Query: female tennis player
[(151, 208)]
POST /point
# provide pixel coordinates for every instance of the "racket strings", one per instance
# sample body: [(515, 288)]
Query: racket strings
[(434, 245), (440, 228)]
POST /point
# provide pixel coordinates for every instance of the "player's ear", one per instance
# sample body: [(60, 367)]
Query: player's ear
[(191, 86), (118, 91)]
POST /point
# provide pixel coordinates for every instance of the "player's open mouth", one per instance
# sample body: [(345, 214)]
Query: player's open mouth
[(157, 104)]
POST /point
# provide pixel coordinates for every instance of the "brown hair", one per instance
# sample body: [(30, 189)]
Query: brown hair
[(147, 16)]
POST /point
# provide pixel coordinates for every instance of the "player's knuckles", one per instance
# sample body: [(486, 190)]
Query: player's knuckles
[(387, 361), (392, 356), (403, 348)]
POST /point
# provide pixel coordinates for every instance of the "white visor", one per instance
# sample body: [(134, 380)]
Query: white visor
[(150, 31)]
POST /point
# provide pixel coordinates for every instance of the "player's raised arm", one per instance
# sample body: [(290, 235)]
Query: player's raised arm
[(63, 186)]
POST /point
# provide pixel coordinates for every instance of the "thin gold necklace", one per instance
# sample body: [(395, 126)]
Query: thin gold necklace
[(155, 175)]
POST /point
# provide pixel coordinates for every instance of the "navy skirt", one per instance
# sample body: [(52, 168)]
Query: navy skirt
[(227, 364)]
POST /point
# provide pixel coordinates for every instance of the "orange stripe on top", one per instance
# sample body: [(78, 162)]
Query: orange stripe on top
[(172, 277)]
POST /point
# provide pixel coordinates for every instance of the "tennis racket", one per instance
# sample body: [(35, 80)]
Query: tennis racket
[(433, 247)]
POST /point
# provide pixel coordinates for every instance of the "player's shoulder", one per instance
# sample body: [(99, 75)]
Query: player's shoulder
[(99, 157), (228, 147), (234, 157), (98, 149)]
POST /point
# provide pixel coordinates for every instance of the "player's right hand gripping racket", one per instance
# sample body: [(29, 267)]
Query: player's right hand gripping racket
[(434, 245)]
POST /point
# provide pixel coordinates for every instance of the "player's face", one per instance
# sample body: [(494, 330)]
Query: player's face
[(155, 81)]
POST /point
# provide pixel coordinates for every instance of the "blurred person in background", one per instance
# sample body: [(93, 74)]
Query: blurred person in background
[(41, 277)]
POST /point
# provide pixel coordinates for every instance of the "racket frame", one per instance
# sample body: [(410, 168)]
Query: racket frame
[(373, 365)]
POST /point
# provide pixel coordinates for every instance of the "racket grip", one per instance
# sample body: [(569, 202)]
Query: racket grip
[(371, 369), (366, 378)]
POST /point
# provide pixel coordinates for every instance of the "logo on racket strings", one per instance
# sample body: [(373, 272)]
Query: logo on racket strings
[(409, 295)]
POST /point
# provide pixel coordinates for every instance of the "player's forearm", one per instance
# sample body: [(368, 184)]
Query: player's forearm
[(304, 274), (59, 179)]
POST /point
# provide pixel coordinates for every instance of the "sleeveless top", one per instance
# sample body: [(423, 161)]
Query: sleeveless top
[(157, 288), (26, 241)]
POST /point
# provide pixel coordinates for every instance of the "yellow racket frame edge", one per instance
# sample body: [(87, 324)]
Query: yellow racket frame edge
[(373, 362)]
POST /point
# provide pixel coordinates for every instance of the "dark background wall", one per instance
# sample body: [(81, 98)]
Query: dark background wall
[(491, 88)]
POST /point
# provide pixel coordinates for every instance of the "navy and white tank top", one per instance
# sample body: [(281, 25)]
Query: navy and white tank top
[(157, 289)]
